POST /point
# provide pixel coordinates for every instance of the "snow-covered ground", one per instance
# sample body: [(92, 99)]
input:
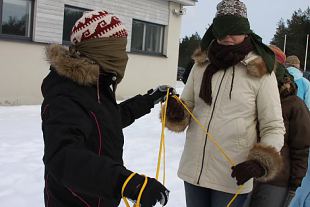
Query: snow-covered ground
[(21, 151)]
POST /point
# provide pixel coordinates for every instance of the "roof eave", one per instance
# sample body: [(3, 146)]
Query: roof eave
[(185, 2)]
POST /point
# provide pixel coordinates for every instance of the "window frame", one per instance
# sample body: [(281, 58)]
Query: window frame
[(162, 39), (18, 37), (66, 42)]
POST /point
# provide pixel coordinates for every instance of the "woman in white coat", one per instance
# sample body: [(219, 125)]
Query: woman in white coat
[(232, 91)]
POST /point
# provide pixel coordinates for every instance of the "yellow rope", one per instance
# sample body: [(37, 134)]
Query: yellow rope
[(164, 175), (235, 196), (140, 193), (207, 133), (215, 143), (137, 204), (123, 188), (162, 149), (162, 146)]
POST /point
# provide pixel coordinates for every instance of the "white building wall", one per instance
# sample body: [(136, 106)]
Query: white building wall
[(144, 72), (23, 68), (23, 65), (49, 14)]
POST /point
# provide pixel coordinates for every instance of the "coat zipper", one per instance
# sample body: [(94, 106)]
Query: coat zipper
[(204, 147)]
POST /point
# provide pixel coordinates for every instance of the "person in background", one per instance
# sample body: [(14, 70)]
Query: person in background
[(303, 85), (279, 191), (187, 71), (230, 90), (302, 195), (307, 75), (82, 122)]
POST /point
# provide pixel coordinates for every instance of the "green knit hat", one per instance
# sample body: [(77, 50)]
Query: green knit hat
[(231, 19)]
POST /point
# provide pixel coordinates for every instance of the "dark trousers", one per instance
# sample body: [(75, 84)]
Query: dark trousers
[(204, 197), (266, 195)]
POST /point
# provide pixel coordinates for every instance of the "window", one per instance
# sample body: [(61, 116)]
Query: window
[(147, 37), (71, 15), (16, 18)]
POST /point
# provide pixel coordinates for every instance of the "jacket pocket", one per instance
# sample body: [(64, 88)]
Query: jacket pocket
[(242, 136)]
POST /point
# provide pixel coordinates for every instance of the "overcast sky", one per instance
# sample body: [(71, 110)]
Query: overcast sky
[(262, 14)]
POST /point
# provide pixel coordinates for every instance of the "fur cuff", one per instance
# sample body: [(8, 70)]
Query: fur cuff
[(176, 126), (269, 158)]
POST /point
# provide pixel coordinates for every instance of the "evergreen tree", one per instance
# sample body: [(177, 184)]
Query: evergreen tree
[(187, 47), (296, 35), (279, 37)]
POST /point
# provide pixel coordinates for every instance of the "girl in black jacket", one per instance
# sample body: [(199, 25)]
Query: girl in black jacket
[(82, 122)]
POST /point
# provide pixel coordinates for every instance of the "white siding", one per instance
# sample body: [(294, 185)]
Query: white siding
[(48, 21), (49, 14), (142, 72), (185, 2)]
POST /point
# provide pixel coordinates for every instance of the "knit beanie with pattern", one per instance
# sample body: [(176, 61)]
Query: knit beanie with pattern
[(231, 19), (231, 7), (97, 24), (102, 38)]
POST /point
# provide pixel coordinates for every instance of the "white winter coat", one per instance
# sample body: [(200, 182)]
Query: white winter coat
[(233, 123)]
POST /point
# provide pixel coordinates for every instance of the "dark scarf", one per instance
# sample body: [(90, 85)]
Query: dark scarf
[(221, 58)]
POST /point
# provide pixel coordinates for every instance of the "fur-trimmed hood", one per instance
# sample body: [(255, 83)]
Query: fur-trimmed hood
[(81, 70), (255, 64)]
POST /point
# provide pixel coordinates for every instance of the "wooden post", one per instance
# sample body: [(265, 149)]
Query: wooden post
[(307, 42), (284, 46)]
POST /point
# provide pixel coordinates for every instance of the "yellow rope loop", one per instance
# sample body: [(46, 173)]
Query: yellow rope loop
[(137, 204), (123, 188), (232, 163)]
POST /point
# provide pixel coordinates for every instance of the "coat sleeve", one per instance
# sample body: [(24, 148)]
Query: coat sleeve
[(65, 127), (271, 128), (269, 113), (299, 142), (135, 108)]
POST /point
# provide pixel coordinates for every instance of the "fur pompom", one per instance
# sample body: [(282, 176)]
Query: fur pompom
[(177, 117)]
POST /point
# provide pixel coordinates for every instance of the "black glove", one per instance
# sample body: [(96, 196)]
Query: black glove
[(246, 170), (159, 94), (154, 191)]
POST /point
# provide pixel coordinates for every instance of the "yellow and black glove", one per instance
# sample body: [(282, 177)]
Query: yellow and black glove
[(154, 191)]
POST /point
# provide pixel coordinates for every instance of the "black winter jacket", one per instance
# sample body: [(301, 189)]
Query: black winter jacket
[(82, 129)]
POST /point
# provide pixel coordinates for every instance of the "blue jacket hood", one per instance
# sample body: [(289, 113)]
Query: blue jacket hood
[(295, 72)]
